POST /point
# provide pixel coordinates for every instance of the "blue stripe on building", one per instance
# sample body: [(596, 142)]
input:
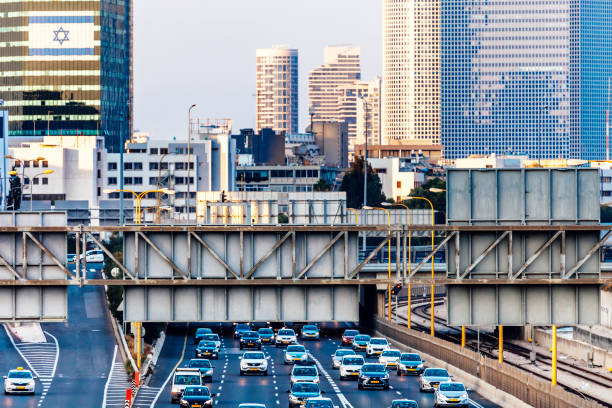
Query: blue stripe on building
[(61, 51), (60, 19)]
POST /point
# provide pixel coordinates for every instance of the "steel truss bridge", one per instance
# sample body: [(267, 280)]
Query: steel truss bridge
[(515, 274)]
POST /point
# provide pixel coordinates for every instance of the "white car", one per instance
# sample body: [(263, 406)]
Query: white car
[(338, 355), (351, 366), (284, 337), (390, 358), (376, 346), (253, 362), (94, 256), (19, 381)]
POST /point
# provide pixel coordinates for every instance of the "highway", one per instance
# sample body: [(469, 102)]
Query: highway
[(232, 389), (74, 363)]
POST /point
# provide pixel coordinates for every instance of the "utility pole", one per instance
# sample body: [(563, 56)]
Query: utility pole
[(365, 164), (188, 198)]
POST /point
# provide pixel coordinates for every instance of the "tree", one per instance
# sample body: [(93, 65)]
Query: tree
[(321, 185), (437, 199), (352, 183)]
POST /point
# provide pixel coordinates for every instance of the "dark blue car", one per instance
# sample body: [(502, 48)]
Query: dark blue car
[(373, 376), (196, 397), (300, 392), (207, 349), (200, 333), (410, 363)]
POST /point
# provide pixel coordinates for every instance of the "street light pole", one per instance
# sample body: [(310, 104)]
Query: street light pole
[(365, 164), (388, 256), (187, 200)]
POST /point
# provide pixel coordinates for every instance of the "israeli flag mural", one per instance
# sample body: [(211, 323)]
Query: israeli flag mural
[(57, 35)]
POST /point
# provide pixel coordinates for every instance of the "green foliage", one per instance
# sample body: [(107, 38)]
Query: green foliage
[(283, 218), (352, 183), (114, 293), (321, 185), (437, 199)]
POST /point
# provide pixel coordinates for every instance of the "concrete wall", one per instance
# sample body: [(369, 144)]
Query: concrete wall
[(575, 348), (606, 308)]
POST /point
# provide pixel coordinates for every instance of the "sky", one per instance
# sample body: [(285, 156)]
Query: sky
[(203, 52)]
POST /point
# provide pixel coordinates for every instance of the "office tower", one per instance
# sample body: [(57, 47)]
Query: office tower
[(411, 66), (277, 89), (526, 80), (368, 114), (341, 67), (66, 68)]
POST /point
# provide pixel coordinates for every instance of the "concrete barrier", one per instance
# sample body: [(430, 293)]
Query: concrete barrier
[(575, 348)]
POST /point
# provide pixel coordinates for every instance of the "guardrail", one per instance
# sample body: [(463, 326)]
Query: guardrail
[(524, 386)]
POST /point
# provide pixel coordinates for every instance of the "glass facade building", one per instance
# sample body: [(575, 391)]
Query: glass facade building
[(65, 67), (525, 77)]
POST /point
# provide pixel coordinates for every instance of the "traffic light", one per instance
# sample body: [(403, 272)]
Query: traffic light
[(396, 289)]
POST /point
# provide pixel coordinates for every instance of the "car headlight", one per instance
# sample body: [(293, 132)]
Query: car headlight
[(363, 377), (175, 390), (386, 377), (293, 397), (464, 396), (209, 372), (184, 402), (420, 365)]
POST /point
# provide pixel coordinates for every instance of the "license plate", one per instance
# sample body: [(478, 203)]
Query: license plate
[(21, 388), (207, 354), (453, 400), (353, 373), (435, 385), (412, 369), (392, 363), (286, 341), (375, 382), (196, 406), (251, 344), (253, 369)]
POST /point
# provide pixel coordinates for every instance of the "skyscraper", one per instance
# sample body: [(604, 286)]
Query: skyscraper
[(66, 67), (277, 89), (526, 80), (411, 71), (341, 67)]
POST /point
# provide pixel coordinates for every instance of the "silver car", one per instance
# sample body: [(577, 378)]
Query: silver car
[(304, 374), (253, 362), (350, 367), (432, 378), (451, 394), (338, 355), (390, 358)]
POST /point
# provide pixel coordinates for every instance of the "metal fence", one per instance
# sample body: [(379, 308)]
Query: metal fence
[(524, 386)]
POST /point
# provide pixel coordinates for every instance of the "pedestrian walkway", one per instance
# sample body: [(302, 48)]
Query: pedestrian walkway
[(145, 397), (116, 384)]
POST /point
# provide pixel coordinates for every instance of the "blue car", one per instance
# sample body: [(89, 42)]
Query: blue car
[(360, 342), (266, 335), (207, 349), (373, 376), (200, 333), (240, 329), (410, 363), (204, 366), (310, 332), (196, 396), (300, 392), (295, 353), (432, 377), (404, 403)]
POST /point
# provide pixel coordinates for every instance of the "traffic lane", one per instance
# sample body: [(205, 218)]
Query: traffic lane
[(9, 360), (401, 386), (177, 338)]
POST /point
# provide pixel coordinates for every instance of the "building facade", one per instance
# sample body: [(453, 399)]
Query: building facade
[(4, 169), (530, 80), (283, 178), (66, 68), (332, 139), (411, 71), (277, 89), (397, 176), (368, 115)]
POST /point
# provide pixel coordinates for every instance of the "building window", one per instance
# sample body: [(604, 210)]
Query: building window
[(153, 166), (380, 171), (179, 166), (17, 163), (127, 166), (45, 163), (26, 163), (179, 180), (99, 191), (153, 150), (127, 180), (164, 166), (45, 180), (163, 150), (112, 181), (138, 180), (35, 181), (152, 180), (99, 155), (111, 166), (399, 184), (138, 166), (35, 163), (99, 173)]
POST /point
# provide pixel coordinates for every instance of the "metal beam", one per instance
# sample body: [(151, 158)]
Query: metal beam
[(483, 255), (592, 251), (48, 253), (162, 255), (10, 267), (371, 255), (535, 255), (268, 254), (110, 255), (214, 254), (431, 254), (319, 255)]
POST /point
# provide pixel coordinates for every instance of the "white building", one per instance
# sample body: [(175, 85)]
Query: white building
[(76, 162), (411, 71), (368, 115), (397, 176), (277, 89)]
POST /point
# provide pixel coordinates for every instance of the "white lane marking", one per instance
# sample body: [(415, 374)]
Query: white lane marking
[(108, 380), (477, 405), (345, 403)]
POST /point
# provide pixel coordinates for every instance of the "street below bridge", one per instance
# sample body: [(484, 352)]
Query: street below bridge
[(233, 389)]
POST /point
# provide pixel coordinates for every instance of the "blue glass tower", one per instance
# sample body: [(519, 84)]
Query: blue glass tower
[(525, 77)]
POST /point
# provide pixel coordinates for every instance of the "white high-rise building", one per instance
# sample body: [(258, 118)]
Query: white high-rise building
[(411, 71), (341, 67), (368, 114), (277, 89)]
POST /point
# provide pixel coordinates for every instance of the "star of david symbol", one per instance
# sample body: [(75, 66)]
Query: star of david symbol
[(61, 35)]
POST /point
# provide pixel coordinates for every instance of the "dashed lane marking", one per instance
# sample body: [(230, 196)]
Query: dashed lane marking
[(116, 384), (172, 372), (345, 403)]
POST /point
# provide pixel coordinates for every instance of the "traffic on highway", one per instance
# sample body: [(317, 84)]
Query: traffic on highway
[(311, 366)]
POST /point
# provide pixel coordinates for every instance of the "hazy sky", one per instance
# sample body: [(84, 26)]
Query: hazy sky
[(203, 52)]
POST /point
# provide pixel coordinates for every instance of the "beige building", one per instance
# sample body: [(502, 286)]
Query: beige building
[(368, 114), (411, 71), (277, 89)]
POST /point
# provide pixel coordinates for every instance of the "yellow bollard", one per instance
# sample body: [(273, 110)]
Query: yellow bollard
[(137, 341), (409, 312), (501, 345), (462, 336), (553, 373)]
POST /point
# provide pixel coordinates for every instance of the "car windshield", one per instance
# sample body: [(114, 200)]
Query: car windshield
[(286, 332), (196, 392), (391, 353), (373, 368), (254, 356), (199, 364), (207, 344), (305, 387), (211, 337), (243, 326), (436, 372), (305, 371), (250, 335), (352, 361), (310, 327), (452, 387), (19, 374), (362, 337), (404, 404), (410, 357), (265, 331), (344, 352), (201, 331), (351, 332), (378, 341), (186, 379), (319, 404), (296, 349)]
